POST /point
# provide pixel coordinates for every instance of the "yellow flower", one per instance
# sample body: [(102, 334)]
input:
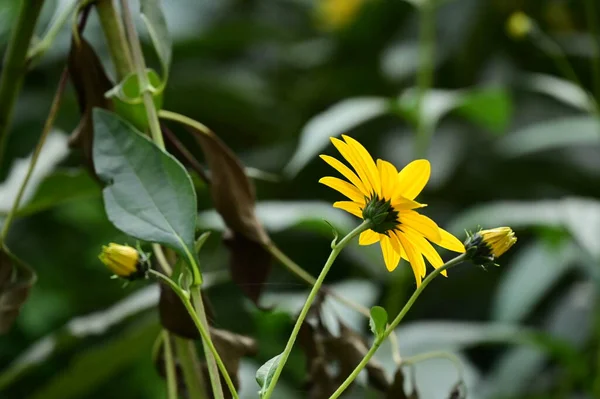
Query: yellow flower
[(519, 25), (485, 246), (124, 261), (335, 14), (378, 192)]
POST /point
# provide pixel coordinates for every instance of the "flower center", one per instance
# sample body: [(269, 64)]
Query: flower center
[(381, 213)]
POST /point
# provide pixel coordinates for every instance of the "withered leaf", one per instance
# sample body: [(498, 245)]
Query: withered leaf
[(16, 280), (90, 82), (396, 390), (320, 384), (174, 316)]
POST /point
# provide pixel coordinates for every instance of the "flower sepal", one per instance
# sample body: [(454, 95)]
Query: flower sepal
[(485, 246)]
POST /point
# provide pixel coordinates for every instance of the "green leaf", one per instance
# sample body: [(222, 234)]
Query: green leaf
[(265, 373), (553, 134), (378, 321), (128, 101), (333, 122), (149, 194), (562, 90), (159, 33)]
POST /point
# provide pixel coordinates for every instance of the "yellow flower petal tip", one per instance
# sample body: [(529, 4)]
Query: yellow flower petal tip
[(124, 261), (377, 192), (485, 246), (519, 25)]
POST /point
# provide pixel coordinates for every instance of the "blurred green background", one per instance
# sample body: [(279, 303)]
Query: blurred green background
[(514, 142)]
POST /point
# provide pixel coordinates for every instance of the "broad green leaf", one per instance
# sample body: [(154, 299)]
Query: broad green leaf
[(580, 216), (149, 194), (531, 275), (128, 101), (265, 373), (490, 108), (159, 33), (553, 134), (378, 321), (333, 122)]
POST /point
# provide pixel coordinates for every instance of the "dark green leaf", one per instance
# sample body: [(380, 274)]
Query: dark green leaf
[(149, 195), (16, 279), (265, 373), (157, 27), (378, 321)]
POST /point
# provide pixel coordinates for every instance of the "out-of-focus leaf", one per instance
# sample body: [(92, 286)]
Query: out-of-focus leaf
[(90, 82), (54, 151), (333, 122), (61, 187), (97, 365), (378, 321), (580, 216), (128, 101), (563, 90), (265, 373), (554, 134), (16, 279), (232, 348), (149, 194), (533, 272), (401, 60), (157, 27)]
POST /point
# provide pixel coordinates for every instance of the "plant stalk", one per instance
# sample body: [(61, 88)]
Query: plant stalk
[(169, 367), (115, 38), (390, 329), (335, 251), (15, 64), (192, 373)]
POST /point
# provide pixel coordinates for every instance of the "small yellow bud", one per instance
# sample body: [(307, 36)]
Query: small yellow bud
[(485, 246), (124, 261), (336, 14), (519, 25)]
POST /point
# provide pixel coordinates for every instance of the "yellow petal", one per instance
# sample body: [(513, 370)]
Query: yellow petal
[(421, 224), (401, 203), (424, 247), (390, 256), (346, 172), (368, 237), (414, 257), (367, 162), (413, 178), (350, 207), (450, 242), (343, 187), (389, 180), (354, 161)]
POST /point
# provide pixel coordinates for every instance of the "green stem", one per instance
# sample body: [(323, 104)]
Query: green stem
[(592, 21), (115, 38), (425, 74), (296, 269), (184, 120), (15, 64), (335, 251), (56, 25), (36, 153), (169, 367), (201, 329), (213, 371), (192, 374), (437, 355), (394, 324), (140, 68)]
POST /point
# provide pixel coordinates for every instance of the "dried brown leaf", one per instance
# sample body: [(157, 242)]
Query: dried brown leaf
[(16, 280), (396, 389)]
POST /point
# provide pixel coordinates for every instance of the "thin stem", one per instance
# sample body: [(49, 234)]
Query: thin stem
[(58, 95), (425, 75), (53, 30), (140, 68), (115, 38), (394, 324), (592, 21), (305, 276), (15, 64), (437, 355), (184, 120), (335, 251), (162, 259), (213, 371), (169, 367), (201, 329), (192, 374)]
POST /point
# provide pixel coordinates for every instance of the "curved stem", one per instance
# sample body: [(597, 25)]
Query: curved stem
[(15, 64), (394, 324), (169, 367), (56, 25), (437, 355), (336, 249), (201, 329), (36, 153)]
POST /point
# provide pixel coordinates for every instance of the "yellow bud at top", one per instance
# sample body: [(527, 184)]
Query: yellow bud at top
[(519, 25), (335, 14), (122, 260), (498, 240)]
